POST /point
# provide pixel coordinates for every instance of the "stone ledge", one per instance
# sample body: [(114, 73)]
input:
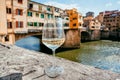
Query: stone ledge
[(31, 65)]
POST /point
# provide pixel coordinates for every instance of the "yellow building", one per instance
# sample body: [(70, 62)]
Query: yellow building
[(75, 18)]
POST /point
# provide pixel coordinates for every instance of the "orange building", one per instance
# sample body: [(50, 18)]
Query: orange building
[(75, 18)]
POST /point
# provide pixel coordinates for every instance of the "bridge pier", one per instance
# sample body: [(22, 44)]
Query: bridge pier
[(73, 38), (95, 35)]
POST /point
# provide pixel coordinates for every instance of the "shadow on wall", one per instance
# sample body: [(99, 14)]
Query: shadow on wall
[(14, 76)]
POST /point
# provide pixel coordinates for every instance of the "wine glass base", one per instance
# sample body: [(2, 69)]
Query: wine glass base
[(54, 71)]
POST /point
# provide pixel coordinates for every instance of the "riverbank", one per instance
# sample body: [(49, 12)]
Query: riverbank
[(31, 65)]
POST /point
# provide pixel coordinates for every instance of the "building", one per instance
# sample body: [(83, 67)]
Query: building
[(13, 19), (91, 23), (37, 15), (110, 19), (90, 14), (75, 18), (21, 17)]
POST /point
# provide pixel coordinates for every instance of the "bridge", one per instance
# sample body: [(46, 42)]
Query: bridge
[(73, 37)]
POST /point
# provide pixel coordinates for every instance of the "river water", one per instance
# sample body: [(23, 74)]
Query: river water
[(102, 54)]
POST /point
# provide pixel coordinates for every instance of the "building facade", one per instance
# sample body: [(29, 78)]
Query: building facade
[(14, 19), (75, 18), (110, 19), (91, 23), (24, 16)]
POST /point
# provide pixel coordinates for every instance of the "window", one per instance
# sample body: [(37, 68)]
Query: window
[(48, 8), (30, 14), (8, 10), (30, 23), (9, 25), (40, 8), (56, 9), (37, 14), (41, 24), (49, 16), (80, 24), (66, 24), (20, 1), (35, 23), (42, 15), (30, 6), (19, 24), (67, 18), (93, 26), (74, 24), (74, 18), (7, 38), (19, 12)]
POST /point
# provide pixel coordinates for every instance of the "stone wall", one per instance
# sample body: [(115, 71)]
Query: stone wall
[(104, 34), (31, 65), (95, 35)]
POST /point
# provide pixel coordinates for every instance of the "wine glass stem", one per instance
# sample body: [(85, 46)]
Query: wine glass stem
[(53, 56)]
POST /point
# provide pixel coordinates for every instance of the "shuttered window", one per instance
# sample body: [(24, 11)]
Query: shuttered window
[(42, 15), (20, 1), (8, 10), (9, 25), (30, 14), (19, 24), (19, 12)]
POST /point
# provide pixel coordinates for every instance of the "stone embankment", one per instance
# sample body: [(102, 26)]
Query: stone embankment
[(22, 64)]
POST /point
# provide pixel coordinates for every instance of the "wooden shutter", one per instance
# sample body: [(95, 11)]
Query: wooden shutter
[(16, 11), (21, 12), (21, 24), (16, 24)]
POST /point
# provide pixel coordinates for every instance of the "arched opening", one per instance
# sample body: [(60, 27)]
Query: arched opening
[(85, 36), (30, 42)]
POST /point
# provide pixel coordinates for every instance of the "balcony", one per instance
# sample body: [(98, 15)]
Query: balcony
[(20, 31), (34, 29)]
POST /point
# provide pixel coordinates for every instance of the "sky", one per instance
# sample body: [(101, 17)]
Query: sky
[(84, 6)]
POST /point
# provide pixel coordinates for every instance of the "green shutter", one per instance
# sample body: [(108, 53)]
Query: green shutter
[(29, 13), (35, 23), (42, 15), (48, 8), (28, 23), (49, 16)]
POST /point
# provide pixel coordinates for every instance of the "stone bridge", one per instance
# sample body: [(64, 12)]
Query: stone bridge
[(89, 35), (73, 37)]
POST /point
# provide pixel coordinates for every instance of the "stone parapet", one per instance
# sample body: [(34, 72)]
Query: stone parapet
[(16, 61)]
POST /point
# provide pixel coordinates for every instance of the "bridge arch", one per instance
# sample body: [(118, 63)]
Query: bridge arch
[(85, 36), (21, 36)]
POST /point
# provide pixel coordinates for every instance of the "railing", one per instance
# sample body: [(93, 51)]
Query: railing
[(20, 31)]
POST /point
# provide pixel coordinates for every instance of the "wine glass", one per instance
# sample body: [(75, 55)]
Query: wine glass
[(53, 37)]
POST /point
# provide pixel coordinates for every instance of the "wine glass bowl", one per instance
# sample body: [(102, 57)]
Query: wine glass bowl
[(53, 37)]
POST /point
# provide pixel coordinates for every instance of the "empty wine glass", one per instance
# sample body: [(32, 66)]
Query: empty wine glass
[(53, 37)]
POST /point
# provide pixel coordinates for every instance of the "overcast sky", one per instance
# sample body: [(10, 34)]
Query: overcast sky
[(84, 6)]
